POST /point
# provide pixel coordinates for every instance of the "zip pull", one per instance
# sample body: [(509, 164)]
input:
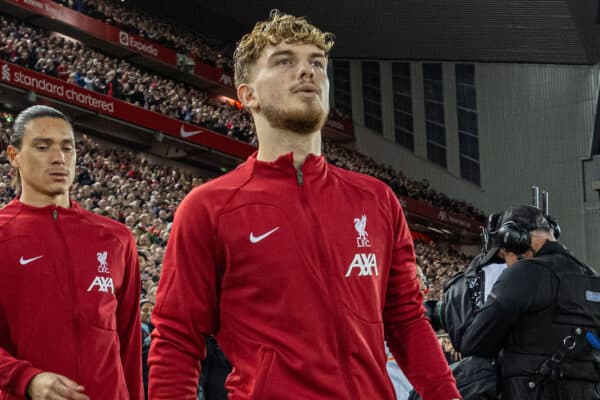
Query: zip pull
[(54, 215), (299, 177)]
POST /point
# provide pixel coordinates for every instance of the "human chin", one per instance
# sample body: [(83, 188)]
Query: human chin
[(60, 186), (57, 189), (305, 119)]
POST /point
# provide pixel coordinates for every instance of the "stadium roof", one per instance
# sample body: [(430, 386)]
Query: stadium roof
[(528, 31)]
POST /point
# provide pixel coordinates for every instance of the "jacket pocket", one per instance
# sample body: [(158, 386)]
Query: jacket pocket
[(267, 358), (98, 309)]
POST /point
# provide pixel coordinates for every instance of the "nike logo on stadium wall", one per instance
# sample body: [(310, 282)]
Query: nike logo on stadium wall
[(256, 239), (24, 261), (187, 134)]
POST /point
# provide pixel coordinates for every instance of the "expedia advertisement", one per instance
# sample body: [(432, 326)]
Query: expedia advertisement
[(99, 29)]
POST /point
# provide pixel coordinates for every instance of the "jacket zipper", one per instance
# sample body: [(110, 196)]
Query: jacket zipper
[(70, 272), (340, 333), (299, 177)]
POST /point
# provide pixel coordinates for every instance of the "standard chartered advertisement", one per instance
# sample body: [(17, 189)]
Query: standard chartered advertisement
[(56, 88), (15, 75)]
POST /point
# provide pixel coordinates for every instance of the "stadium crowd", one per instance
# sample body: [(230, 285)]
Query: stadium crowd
[(208, 51), (71, 61), (439, 265), (402, 186)]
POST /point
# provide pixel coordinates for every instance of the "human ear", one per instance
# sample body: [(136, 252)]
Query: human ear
[(13, 156), (247, 96)]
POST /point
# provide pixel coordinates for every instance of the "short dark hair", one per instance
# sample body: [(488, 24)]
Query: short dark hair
[(18, 130)]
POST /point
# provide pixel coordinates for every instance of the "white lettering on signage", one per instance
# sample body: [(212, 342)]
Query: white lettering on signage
[(34, 3), (6, 72), (129, 41), (41, 84), (46, 86)]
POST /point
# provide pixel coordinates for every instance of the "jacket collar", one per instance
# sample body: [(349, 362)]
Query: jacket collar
[(550, 247), (313, 165), (73, 209)]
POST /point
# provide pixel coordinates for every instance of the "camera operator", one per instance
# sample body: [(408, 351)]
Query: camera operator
[(539, 313), (466, 292), (464, 295)]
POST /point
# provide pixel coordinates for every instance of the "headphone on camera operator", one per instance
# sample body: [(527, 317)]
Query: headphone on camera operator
[(515, 237)]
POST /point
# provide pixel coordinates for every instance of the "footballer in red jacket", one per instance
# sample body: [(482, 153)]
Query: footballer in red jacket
[(70, 287), (299, 268)]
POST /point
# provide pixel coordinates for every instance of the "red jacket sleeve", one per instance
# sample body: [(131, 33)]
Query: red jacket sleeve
[(186, 304), (128, 323), (407, 331), (15, 374)]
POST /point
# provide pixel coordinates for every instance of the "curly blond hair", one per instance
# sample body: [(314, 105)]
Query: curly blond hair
[(279, 27)]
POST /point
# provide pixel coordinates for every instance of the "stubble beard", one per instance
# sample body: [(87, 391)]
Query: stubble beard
[(308, 118)]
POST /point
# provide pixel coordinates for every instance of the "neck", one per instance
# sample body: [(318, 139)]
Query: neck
[(39, 200), (274, 142), (538, 241)]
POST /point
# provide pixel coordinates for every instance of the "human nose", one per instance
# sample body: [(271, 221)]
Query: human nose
[(58, 156), (306, 70)]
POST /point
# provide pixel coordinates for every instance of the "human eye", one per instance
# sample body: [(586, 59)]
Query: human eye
[(284, 61), (41, 146), (319, 64)]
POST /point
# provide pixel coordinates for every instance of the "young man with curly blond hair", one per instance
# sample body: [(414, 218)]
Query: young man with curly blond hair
[(300, 269)]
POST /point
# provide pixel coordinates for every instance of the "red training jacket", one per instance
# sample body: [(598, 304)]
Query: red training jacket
[(300, 274), (69, 301)]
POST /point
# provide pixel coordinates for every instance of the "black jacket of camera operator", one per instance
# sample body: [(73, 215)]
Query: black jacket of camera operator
[(540, 310), (463, 297)]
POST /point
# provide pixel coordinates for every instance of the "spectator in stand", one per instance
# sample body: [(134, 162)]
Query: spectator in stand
[(146, 307), (4, 191), (5, 123)]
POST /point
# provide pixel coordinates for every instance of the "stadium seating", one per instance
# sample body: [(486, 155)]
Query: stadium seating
[(208, 51)]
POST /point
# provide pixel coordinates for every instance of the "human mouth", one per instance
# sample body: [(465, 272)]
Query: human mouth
[(59, 175), (308, 95), (307, 90)]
